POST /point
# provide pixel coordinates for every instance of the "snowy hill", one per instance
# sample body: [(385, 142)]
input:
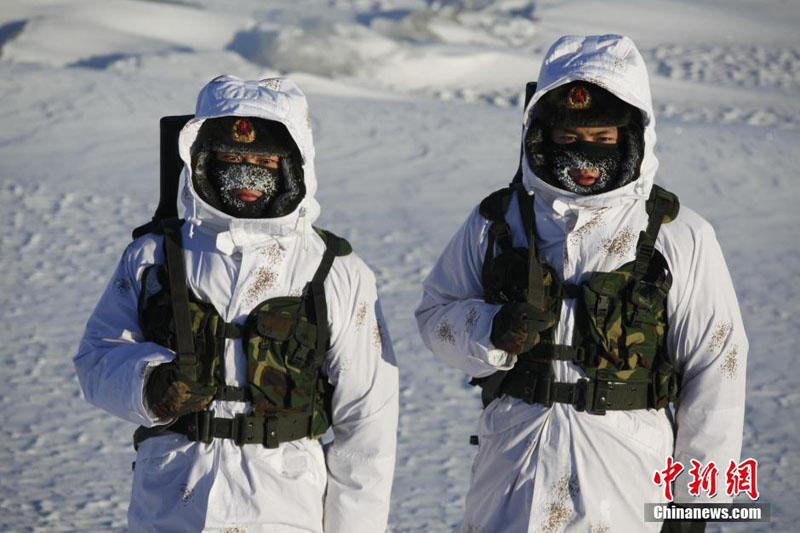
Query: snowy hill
[(416, 115)]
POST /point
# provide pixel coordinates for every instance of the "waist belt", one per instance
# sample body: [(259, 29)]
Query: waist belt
[(268, 430), (543, 352), (233, 394), (593, 396)]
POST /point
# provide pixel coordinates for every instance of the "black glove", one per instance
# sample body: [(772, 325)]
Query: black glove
[(171, 394), (516, 327)]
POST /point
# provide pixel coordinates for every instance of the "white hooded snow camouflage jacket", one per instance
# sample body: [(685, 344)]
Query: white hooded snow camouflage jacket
[(554, 469), (235, 264)]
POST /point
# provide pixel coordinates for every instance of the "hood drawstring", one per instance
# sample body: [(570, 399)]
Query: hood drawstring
[(302, 216), (195, 219), (305, 227)]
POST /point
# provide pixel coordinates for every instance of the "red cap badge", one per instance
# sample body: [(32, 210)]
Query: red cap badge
[(578, 98), (243, 131)]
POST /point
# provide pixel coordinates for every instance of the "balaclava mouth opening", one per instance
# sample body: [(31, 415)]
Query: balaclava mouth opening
[(217, 182), (583, 104)]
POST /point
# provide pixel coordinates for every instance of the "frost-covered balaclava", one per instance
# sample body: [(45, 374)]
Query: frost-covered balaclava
[(580, 104), (217, 181)]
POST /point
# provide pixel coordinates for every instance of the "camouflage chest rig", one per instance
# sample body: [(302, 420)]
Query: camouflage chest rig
[(285, 340), (621, 320)]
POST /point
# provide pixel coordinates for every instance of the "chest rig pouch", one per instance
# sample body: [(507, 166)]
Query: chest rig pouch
[(285, 340), (621, 321)]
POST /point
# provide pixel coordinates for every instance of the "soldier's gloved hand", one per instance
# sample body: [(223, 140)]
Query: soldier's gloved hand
[(171, 394), (516, 327)]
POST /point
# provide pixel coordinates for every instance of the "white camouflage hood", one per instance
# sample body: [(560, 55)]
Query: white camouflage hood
[(278, 99), (614, 63)]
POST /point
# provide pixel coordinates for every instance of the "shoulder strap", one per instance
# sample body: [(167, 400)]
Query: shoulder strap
[(667, 202), (493, 208), (535, 275), (179, 293), (342, 248), (662, 207), (334, 247)]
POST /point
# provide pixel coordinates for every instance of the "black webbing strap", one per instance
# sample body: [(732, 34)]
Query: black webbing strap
[(223, 331), (535, 275), (333, 244), (493, 385), (143, 433), (230, 393), (493, 208), (267, 430), (595, 396), (569, 290), (556, 352), (186, 358), (231, 330), (500, 234), (490, 386), (659, 203), (317, 289)]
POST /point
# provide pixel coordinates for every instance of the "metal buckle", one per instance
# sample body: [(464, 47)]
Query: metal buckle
[(271, 431), (244, 429), (645, 244), (600, 396), (529, 388)]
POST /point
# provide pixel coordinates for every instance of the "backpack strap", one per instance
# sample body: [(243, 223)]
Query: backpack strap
[(535, 275), (493, 208), (334, 247), (662, 206), (186, 357)]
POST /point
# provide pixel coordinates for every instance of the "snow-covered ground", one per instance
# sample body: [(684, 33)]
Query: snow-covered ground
[(415, 108)]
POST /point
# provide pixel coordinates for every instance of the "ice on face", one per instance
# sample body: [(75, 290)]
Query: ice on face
[(235, 177)]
